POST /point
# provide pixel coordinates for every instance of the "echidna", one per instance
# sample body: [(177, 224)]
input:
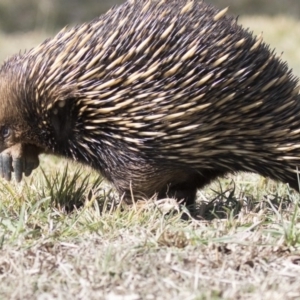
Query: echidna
[(159, 96)]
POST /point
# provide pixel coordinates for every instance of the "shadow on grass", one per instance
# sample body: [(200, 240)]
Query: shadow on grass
[(229, 203)]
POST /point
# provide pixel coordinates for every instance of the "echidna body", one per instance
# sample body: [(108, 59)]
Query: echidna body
[(159, 96)]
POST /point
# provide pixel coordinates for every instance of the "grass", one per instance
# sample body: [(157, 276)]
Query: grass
[(103, 250), (245, 243)]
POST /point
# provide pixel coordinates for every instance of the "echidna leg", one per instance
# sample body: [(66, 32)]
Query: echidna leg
[(183, 193), (186, 190)]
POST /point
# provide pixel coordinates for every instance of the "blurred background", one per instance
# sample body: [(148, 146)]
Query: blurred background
[(25, 23), (24, 15)]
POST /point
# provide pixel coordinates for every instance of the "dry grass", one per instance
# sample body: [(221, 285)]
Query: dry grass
[(105, 251), (247, 248)]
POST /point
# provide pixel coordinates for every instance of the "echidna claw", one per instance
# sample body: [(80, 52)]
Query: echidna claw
[(18, 159), (5, 166), (17, 165)]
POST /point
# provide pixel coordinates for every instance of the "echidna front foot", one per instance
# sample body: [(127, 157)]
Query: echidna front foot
[(20, 158)]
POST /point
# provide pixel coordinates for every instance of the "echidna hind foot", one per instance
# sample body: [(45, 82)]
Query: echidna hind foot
[(186, 191)]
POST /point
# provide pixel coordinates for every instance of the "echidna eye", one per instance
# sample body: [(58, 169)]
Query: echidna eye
[(5, 131)]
